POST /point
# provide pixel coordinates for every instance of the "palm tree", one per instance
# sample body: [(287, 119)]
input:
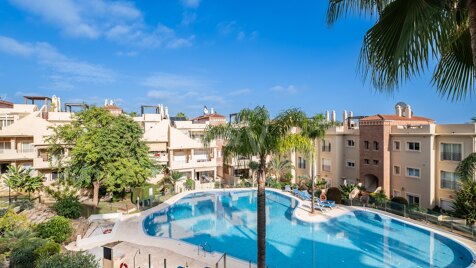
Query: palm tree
[(465, 201), (254, 166), (315, 128), (279, 167), (255, 134), (21, 179), (170, 180), (409, 34)]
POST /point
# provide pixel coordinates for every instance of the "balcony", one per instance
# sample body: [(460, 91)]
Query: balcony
[(11, 154), (161, 158), (193, 163)]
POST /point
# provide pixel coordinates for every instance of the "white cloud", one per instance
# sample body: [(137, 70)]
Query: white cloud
[(131, 53), (291, 89), (191, 3), (232, 28), (64, 70), (188, 18), (118, 21), (240, 92), (227, 27)]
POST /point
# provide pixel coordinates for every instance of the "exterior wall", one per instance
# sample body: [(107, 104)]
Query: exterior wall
[(374, 133)]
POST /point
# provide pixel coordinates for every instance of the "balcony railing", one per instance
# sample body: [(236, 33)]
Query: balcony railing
[(326, 148), (451, 156)]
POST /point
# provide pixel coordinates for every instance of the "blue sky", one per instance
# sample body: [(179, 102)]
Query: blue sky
[(189, 53)]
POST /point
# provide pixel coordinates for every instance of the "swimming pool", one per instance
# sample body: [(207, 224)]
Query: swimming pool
[(226, 221)]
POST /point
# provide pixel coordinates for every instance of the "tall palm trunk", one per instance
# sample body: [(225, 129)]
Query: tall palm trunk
[(312, 177), (96, 193), (261, 214), (472, 27)]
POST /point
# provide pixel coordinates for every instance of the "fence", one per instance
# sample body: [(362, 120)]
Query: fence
[(439, 220)]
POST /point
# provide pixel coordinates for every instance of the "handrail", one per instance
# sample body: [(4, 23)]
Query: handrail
[(204, 249), (224, 260)]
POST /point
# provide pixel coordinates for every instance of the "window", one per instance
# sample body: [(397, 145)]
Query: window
[(451, 152), (5, 145), (396, 146), (56, 175), (413, 172), (27, 147), (350, 143), (376, 146), (413, 146), (326, 146), (350, 163), (326, 164), (301, 162), (367, 161), (396, 170), (375, 162), (448, 180), (366, 145), (6, 120), (413, 200)]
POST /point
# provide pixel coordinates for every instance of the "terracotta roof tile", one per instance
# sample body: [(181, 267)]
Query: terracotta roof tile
[(393, 117)]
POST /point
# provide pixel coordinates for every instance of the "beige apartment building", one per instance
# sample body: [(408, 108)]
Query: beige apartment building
[(406, 155)]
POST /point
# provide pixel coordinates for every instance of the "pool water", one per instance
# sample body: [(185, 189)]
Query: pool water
[(226, 221)]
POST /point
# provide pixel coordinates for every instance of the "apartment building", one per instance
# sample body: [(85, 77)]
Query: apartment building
[(404, 154)]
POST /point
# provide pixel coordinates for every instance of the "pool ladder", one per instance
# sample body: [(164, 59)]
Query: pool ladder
[(204, 247)]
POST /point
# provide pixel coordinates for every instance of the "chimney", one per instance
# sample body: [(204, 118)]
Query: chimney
[(327, 116), (408, 112), (333, 115), (212, 111), (398, 110), (344, 118), (166, 112)]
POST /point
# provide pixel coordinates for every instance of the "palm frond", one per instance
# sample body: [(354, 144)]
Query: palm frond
[(401, 43), (454, 75), (467, 168), (343, 8)]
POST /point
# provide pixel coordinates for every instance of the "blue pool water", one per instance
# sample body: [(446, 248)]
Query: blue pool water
[(227, 222)]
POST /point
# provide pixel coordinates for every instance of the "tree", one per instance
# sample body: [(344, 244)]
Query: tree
[(279, 168), (21, 179), (314, 128), (181, 114), (106, 150), (409, 34), (170, 181), (465, 202), (255, 134)]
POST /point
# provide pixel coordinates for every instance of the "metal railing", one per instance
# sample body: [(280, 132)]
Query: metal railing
[(442, 221), (222, 258)]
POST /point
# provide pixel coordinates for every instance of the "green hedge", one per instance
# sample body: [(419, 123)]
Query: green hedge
[(57, 228)]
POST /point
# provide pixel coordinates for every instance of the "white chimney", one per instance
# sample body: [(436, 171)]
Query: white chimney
[(333, 116), (105, 102), (398, 110), (166, 112), (327, 116), (344, 118), (409, 112), (212, 111)]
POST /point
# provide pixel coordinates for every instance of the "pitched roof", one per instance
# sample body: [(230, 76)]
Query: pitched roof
[(6, 104), (394, 117), (207, 116)]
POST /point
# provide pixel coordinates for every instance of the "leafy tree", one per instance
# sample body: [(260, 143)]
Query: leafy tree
[(107, 150), (408, 34), (465, 201), (69, 260), (57, 228), (256, 134), (181, 114), (279, 168)]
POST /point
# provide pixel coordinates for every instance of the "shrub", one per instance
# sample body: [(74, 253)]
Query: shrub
[(69, 260), (23, 253), (380, 197), (347, 189), (189, 184), (47, 249), (11, 221), (24, 204), (334, 194), (68, 207), (57, 228), (399, 200)]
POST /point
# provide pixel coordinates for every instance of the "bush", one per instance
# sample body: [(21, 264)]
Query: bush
[(334, 194), (11, 221), (57, 228), (68, 207), (46, 250), (23, 253), (399, 200), (24, 204), (189, 184), (347, 189), (69, 260)]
